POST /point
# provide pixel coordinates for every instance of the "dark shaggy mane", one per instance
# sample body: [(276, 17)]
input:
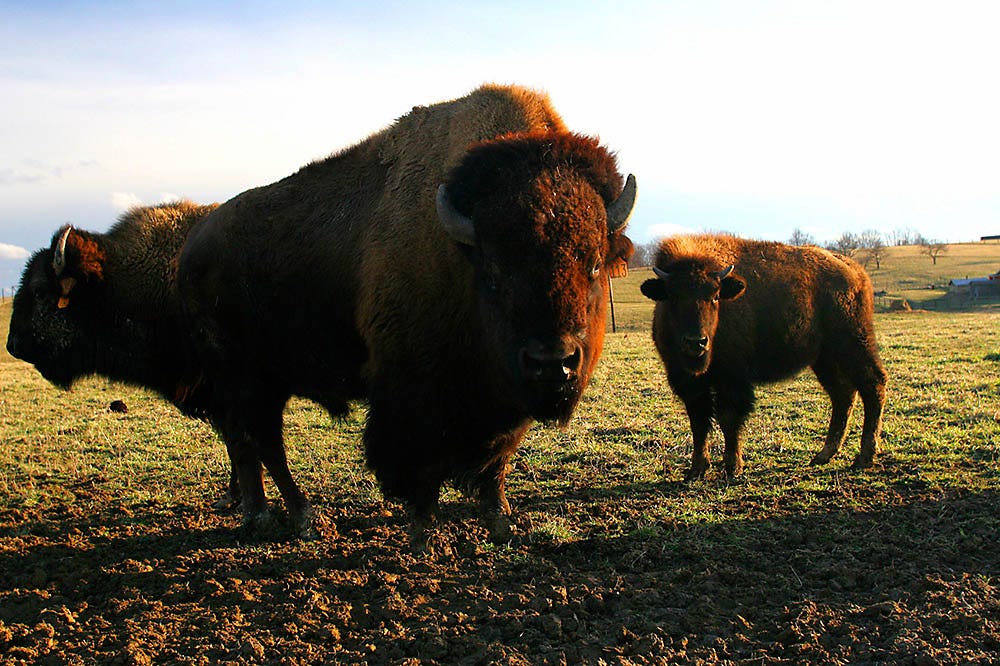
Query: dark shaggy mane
[(508, 161)]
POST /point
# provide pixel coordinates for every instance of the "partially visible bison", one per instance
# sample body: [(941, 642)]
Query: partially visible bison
[(733, 313), (451, 269), (106, 304)]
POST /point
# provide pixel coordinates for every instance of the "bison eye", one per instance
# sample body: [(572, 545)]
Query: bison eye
[(596, 270)]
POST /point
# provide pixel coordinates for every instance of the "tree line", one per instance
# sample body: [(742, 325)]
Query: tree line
[(867, 248)]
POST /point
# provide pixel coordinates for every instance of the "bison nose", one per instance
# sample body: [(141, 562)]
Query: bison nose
[(555, 363), (13, 343), (696, 344)]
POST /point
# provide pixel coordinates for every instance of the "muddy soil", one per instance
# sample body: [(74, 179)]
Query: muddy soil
[(101, 579)]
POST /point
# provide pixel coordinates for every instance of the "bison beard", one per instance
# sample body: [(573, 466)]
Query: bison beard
[(451, 269)]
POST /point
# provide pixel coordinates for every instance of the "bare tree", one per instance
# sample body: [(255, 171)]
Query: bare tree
[(905, 236), (644, 254), (872, 246), (847, 244), (933, 249), (800, 237)]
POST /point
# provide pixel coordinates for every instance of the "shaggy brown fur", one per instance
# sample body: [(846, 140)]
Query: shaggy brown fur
[(123, 317), (782, 309), (340, 282)]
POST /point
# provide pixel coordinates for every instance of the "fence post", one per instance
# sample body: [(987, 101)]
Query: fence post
[(611, 295)]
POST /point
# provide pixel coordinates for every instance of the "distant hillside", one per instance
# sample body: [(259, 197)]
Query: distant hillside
[(904, 273)]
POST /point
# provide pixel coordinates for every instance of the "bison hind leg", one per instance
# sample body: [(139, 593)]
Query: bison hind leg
[(871, 386), (251, 426), (841, 392)]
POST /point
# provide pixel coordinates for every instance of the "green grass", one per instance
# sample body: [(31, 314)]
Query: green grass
[(600, 506), (629, 436)]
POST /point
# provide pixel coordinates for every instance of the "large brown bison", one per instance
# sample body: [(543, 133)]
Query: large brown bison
[(450, 269), (733, 313), (106, 304)]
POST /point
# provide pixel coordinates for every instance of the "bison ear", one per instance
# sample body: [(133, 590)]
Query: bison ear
[(654, 289), (77, 253), (621, 247), (456, 225), (76, 258), (66, 286), (732, 287)]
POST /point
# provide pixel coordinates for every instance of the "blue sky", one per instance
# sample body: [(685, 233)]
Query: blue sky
[(751, 117)]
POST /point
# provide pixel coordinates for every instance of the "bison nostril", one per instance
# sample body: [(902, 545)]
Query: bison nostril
[(531, 365), (550, 363), (696, 342), (12, 344), (571, 364)]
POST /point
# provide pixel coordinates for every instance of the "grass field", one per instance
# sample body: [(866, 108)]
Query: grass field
[(109, 551)]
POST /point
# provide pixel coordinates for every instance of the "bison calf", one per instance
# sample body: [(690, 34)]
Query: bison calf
[(733, 313)]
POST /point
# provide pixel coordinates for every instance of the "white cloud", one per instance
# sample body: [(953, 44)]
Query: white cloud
[(169, 197), (122, 201), (13, 252)]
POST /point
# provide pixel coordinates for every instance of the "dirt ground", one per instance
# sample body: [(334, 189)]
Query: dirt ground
[(100, 580)]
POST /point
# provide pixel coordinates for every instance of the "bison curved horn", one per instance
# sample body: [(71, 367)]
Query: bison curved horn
[(724, 273), (660, 273), (458, 226), (620, 209), (59, 260)]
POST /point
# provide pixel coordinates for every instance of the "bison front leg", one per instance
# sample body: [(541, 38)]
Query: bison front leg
[(394, 452), (231, 498), (494, 510), (699, 411), (734, 399)]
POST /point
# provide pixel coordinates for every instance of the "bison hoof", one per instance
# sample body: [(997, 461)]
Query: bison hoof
[(429, 545), (259, 525), (226, 502), (821, 458), (734, 471), (499, 528), (862, 462), (304, 525), (419, 532), (696, 472)]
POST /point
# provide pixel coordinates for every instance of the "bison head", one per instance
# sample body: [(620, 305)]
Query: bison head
[(49, 323), (541, 218), (687, 295)]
